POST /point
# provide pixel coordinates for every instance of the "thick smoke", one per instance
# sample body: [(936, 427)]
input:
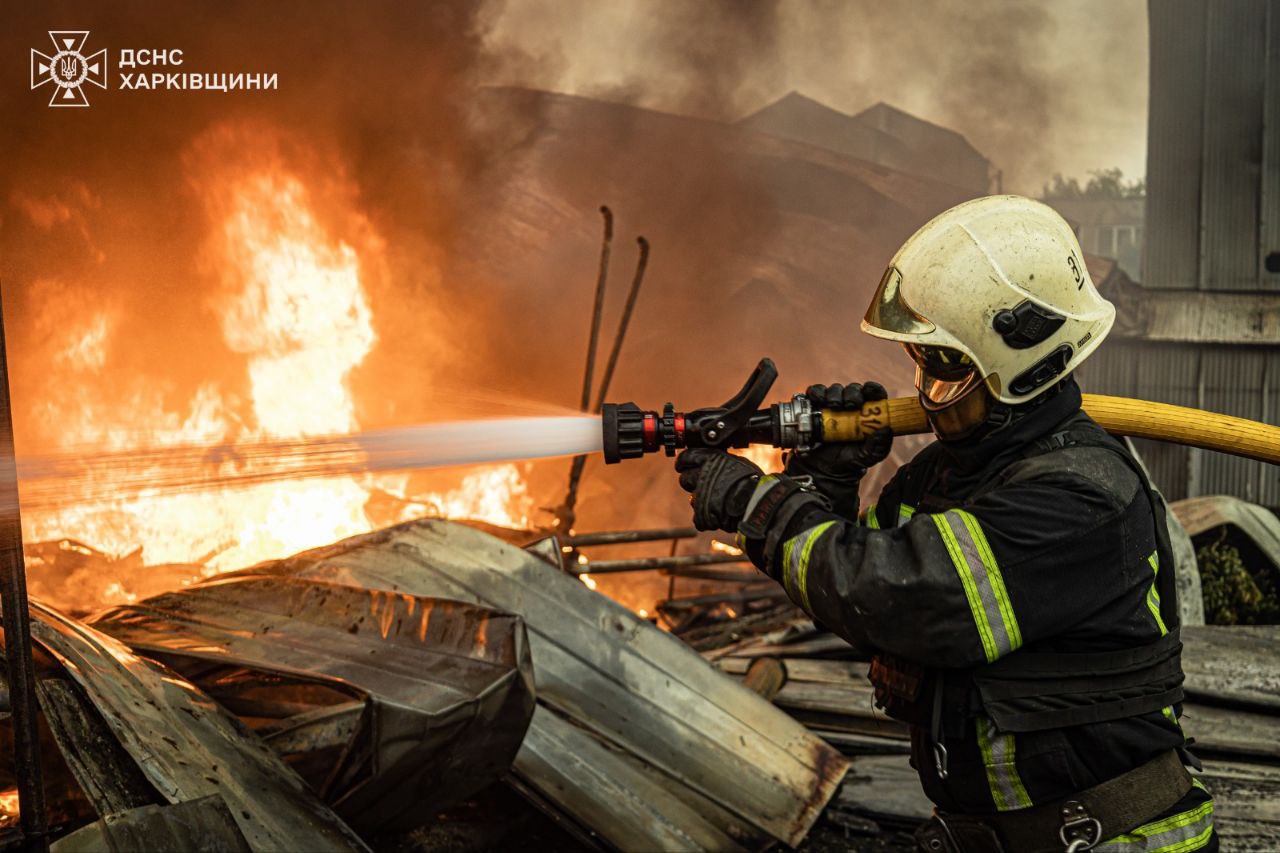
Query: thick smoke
[(1037, 87)]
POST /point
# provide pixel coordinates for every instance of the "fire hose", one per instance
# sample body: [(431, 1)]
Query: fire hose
[(795, 424)]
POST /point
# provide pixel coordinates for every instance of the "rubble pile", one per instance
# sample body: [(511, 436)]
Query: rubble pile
[(1231, 716), (437, 685)]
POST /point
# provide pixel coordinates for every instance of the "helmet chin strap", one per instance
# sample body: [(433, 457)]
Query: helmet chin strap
[(956, 426), (966, 418)]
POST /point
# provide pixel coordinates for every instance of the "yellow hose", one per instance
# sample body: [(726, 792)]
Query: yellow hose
[(1117, 415)]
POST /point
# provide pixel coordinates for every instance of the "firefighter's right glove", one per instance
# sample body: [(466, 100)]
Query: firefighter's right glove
[(720, 484)]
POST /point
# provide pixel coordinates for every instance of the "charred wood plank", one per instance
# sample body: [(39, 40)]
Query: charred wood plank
[(802, 669), (621, 798), (765, 676), (199, 826), (854, 743), (618, 537), (1237, 665), (826, 645), (646, 564), (105, 772), (721, 575), (1232, 733), (886, 789), (1246, 803)]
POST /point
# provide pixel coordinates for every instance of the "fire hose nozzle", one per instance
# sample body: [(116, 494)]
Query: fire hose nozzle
[(626, 426), (631, 432)]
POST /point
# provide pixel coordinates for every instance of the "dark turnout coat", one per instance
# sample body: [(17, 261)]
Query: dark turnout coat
[(1030, 547)]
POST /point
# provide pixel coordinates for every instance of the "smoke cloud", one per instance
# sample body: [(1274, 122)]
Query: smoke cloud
[(1037, 87)]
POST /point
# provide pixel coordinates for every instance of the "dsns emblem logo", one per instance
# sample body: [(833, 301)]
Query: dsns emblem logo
[(68, 69)]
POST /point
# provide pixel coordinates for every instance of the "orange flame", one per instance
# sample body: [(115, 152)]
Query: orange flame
[(9, 807), (296, 309)]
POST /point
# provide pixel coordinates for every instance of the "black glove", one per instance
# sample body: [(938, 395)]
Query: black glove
[(721, 485), (837, 468)]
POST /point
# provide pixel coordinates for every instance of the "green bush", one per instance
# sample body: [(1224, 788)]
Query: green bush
[(1234, 595)]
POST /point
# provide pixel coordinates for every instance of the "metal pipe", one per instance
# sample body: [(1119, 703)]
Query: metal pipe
[(597, 311), (722, 575), (643, 564), (618, 537), (17, 633), (641, 263), (566, 513), (739, 597)]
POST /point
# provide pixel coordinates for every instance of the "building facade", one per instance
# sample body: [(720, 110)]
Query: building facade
[(1203, 328)]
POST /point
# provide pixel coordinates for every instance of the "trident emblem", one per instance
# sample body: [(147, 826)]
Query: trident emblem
[(68, 69)]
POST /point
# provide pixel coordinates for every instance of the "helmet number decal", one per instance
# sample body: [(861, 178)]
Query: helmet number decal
[(1076, 272)]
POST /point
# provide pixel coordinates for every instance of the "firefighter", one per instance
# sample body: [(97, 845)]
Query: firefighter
[(1013, 582)]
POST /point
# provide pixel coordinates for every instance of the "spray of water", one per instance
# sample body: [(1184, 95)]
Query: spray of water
[(86, 477)]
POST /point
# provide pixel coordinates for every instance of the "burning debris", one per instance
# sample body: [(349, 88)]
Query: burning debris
[(364, 682), (125, 734), (363, 674), (391, 705)]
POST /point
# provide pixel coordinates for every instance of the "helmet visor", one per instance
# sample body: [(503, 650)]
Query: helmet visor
[(943, 375), (890, 312)]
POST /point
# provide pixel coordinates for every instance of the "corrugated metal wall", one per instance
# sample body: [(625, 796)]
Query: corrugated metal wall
[(1213, 221), (1241, 381), (1171, 252), (1212, 135), (1270, 227)]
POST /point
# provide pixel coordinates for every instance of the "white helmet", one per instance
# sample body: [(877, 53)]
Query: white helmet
[(994, 289)]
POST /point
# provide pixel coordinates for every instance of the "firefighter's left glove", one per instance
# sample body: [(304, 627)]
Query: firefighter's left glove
[(721, 485)]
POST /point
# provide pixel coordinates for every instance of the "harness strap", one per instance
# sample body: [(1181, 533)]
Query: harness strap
[(1038, 690), (1093, 815)]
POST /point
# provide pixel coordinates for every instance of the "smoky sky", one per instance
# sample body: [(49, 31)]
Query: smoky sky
[(1038, 87)]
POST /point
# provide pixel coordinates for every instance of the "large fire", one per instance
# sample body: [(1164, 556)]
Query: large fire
[(294, 306)]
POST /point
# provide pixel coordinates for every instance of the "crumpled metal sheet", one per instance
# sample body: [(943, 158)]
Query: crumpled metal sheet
[(444, 689), (618, 797), (745, 769), (186, 745), (197, 826)]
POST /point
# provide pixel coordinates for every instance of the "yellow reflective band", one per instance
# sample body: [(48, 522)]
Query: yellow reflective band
[(1153, 596), (904, 514), (787, 549), (982, 582), (795, 564), (804, 562), (996, 579), (999, 757), (870, 520), (1183, 832)]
